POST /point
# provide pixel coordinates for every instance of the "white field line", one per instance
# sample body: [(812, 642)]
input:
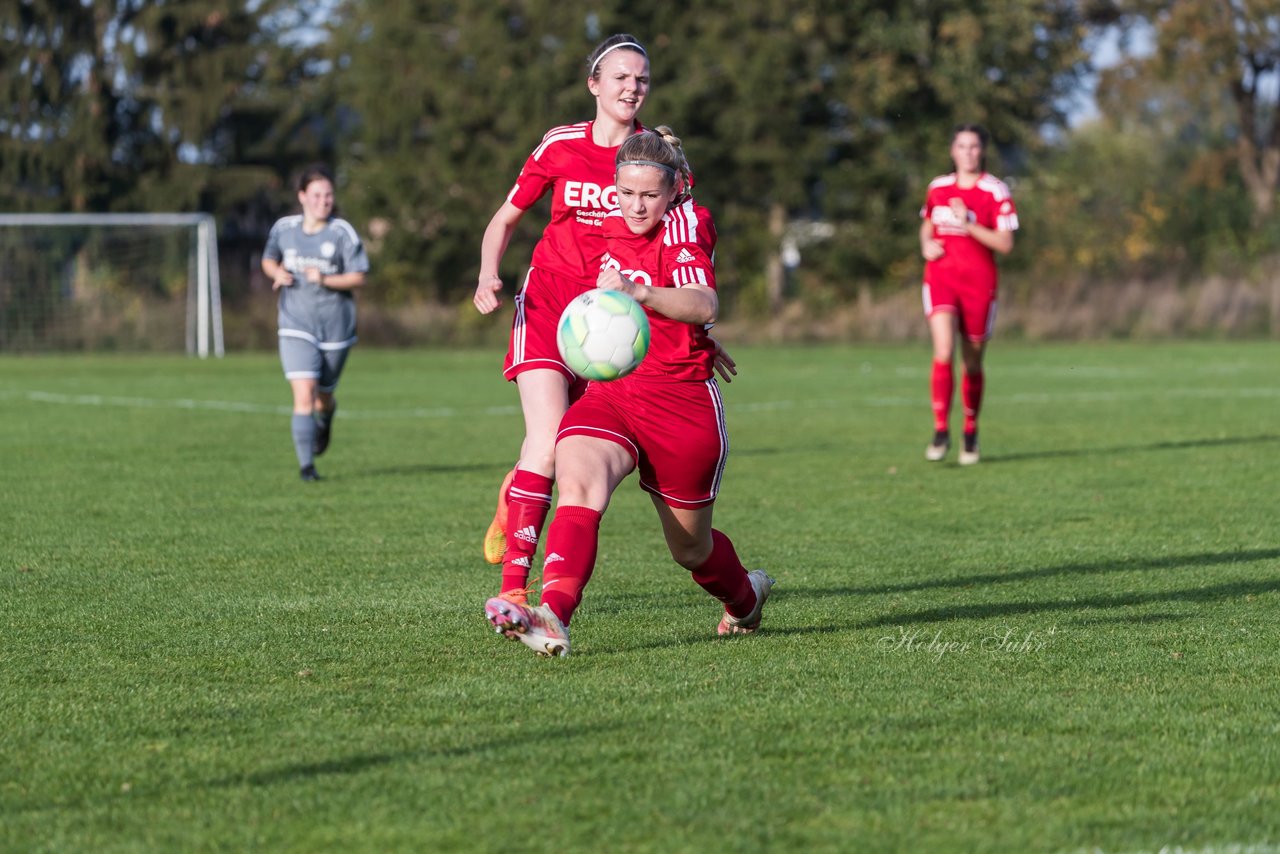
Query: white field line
[(438, 412), (57, 398)]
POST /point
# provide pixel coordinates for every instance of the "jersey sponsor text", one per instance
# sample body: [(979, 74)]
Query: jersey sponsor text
[(584, 194)]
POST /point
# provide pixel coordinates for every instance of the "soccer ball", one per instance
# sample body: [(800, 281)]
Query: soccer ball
[(603, 335)]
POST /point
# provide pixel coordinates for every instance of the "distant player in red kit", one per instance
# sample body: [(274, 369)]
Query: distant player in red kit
[(575, 164), (665, 419), (968, 216)]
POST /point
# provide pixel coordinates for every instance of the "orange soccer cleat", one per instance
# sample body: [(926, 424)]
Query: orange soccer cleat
[(495, 539)]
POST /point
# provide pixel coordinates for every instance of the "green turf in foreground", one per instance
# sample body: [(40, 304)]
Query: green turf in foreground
[(1072, 646)]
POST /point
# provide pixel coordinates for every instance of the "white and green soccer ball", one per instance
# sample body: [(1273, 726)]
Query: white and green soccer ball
[(603, 335)]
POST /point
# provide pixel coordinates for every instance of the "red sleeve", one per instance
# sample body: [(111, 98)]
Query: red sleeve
[(532, 184), (1006, 215), (687, 264), (689, 246)]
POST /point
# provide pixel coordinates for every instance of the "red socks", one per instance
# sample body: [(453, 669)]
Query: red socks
[(971, 386), (971, 394), (572, 542), (724, 577), (528, 501), (943, 386)]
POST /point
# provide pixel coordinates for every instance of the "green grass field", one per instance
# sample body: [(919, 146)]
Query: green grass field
[(1072, 646)]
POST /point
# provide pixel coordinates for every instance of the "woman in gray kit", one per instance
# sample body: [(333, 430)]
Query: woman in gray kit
[(315, 261)]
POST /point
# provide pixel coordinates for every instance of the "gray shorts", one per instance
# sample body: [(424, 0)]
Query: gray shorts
[(303, 360)]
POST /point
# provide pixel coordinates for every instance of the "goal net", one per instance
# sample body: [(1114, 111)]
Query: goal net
[(109, 282)]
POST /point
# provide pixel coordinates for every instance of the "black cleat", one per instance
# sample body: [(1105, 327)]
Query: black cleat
[(970, 454), (309, 473), (324, 427)]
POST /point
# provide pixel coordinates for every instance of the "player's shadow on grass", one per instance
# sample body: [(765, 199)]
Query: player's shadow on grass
[(1181, 445), (1133, 619), (419, 469), (1186, 561), (360, 762), (806, 448), (617, 601), (986, 611)]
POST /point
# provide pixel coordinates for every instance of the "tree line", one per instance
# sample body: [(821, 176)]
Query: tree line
[(813, 126)]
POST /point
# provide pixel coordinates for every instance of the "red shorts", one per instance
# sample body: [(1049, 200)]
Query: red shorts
[(674, 431), (975, 309), (539, 304)]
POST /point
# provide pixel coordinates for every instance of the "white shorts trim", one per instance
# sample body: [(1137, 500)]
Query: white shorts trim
[(602, 434), (311, 339)]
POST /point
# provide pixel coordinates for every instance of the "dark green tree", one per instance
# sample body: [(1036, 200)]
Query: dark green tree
[(913, 72), (449, 98), (136, 105), (60, 116)]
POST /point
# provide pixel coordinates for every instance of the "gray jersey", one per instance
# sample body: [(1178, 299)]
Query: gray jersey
[(311, 312)]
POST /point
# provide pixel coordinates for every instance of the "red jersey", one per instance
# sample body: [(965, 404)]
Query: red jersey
[(967, 263), (678, 252), (580, 175)]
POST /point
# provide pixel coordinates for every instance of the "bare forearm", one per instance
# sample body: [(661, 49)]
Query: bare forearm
[(690, 304), (926, 232), (996, 241), (342, 281), (497, 235), (930, 248)]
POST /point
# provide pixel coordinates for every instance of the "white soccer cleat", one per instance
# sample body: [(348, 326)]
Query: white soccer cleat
[(969, 453), (762, 584), (537, 628), (937, 449)]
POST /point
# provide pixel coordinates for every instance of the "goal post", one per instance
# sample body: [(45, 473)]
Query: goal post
[(92, 280)]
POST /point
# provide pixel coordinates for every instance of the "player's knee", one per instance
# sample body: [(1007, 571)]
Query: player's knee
[(571, 491), (578, 488), (534, 457), (689, 553)]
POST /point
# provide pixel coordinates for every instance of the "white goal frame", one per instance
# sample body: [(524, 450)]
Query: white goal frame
[(204, 293)]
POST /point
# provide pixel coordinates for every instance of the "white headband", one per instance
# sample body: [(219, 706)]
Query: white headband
[(655, 164), (615, 47)]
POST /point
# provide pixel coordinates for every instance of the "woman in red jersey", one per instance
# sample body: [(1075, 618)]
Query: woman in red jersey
[(575, 164), (665, 419), (968, 216)]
